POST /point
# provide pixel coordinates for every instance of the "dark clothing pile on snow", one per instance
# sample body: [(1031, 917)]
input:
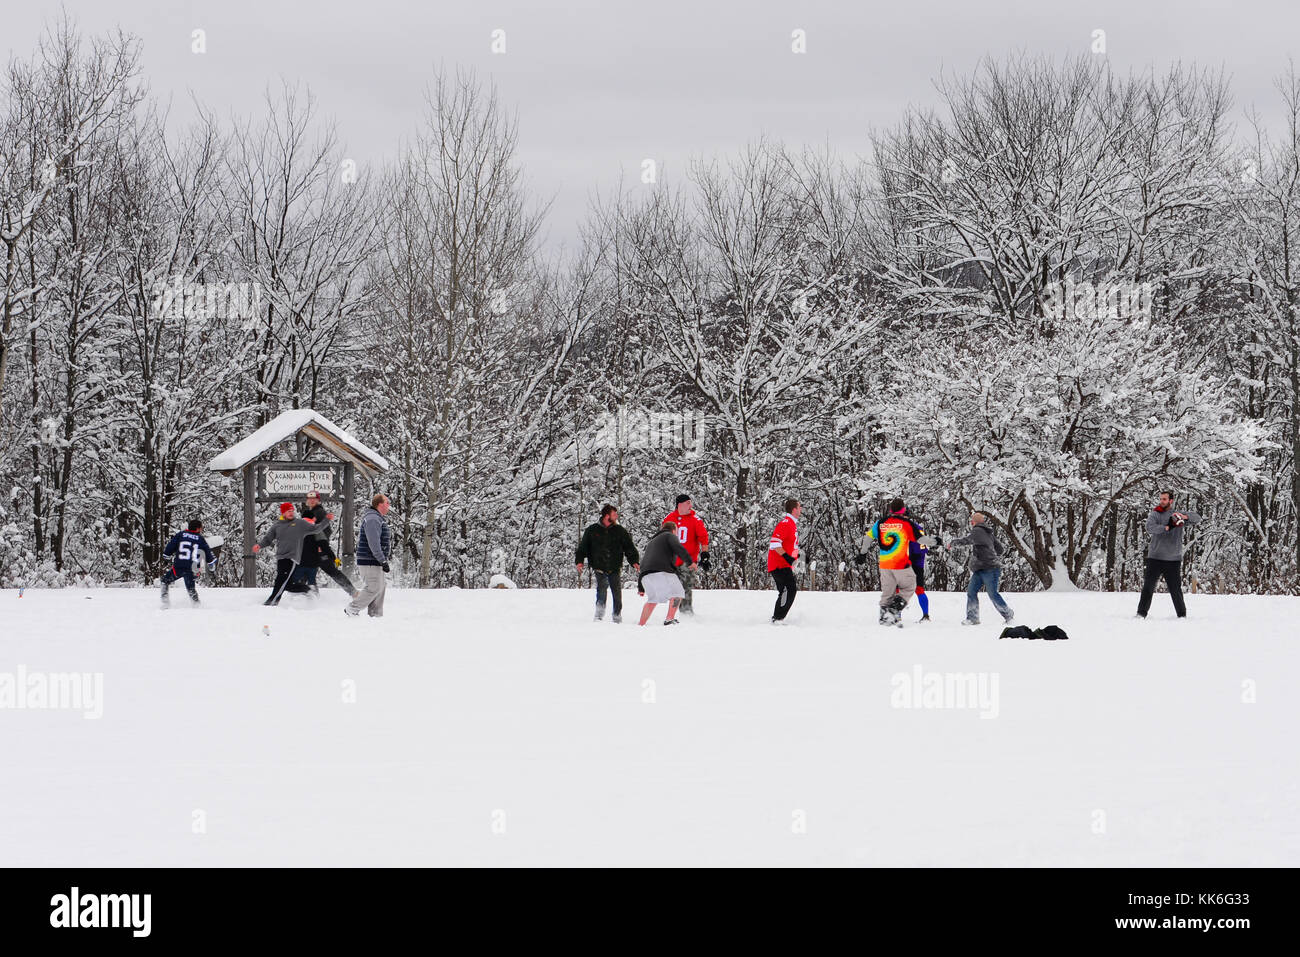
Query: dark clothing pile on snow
[(1166, 536), (605, 547), (986, 551), (662, 553), (374, 541)]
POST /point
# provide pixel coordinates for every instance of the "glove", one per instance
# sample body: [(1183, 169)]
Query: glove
[(860, 558), (704, 559), (338, 563), (386, 568)]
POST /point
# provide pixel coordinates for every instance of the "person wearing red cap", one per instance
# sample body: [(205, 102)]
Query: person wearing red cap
[(289, 534), (695, 539)]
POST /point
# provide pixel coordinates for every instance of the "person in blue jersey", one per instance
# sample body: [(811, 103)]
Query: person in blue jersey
[(188, 551)]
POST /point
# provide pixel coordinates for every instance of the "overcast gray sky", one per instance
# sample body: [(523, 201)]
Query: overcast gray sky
[(599, 86)]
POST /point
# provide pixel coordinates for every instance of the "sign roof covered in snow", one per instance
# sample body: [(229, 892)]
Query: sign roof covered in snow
[(288, 424)]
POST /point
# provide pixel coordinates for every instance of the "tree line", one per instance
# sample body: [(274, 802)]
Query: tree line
[(1058, 292)]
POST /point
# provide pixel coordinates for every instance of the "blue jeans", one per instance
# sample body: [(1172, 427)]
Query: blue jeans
[(987, 579), (609, 582)]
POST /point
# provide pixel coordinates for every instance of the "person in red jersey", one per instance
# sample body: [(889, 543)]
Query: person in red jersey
[(782, 552), (695, 539)]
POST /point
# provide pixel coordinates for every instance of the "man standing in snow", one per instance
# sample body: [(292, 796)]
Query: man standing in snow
[(894, 533), (289, 534), (1165, 553), (782, 553), (374, 546), (187, 550), (985, 569), (605, 544), (694, 537), (659, 581)]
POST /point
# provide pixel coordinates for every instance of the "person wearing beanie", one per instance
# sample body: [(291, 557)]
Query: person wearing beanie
[(694, 537), (289, 534), (894, 533), (605, 545)]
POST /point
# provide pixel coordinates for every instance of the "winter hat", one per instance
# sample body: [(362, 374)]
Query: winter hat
[(286, 508), (683, 498)]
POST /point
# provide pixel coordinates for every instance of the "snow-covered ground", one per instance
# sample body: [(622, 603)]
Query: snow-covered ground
[(505, 727)]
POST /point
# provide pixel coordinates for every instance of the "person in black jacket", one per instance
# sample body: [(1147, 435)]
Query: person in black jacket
[(604, 545), (658, 579), (317, 553)]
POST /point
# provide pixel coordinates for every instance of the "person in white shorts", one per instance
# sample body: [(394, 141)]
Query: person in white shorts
[(658, 580)]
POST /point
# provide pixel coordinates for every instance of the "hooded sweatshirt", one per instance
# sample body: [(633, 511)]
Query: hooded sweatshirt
[(289, 534), (1166, 539), (987, 550)]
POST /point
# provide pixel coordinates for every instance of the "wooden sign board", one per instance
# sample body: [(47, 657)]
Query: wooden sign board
[(280, 481)]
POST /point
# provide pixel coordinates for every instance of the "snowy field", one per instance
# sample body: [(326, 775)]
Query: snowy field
[(505, 727)]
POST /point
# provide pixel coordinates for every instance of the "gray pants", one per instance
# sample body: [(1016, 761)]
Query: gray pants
[(688, 585), (904, 579), (371, 596)]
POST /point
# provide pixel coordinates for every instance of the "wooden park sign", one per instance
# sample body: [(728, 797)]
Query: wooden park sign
[(271, 480)]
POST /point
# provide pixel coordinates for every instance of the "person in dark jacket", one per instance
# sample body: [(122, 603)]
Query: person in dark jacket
[(1165, 525), (187, 550), (289, 535), (374, 549), (985, 569), (321, 556), (604, 545), (658, 580)]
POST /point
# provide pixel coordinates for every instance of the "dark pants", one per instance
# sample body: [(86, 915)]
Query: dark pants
[(785, 591), (336, 573), (183, 573), (284, 582), (1172, 573), (609, 582)]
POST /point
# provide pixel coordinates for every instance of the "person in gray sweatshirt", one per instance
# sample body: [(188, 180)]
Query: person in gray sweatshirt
[(985, 569), (1165, 525), (288, 533)]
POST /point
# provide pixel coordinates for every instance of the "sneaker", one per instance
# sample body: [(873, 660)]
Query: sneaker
[(924, 618), (271, 601), (600, 613), (1010, 619), (967, 621), (350, 611), (166, 601), (672, 621), (617, 618), (780, 621)]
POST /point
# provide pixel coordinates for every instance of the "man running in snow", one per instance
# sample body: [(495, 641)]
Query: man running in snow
[(317, 553), (985, 569), (605, 544), (659, 580), (694, 537), (1165, 553), (187, 550), (894, 533), (782, 553), (289, 534)]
